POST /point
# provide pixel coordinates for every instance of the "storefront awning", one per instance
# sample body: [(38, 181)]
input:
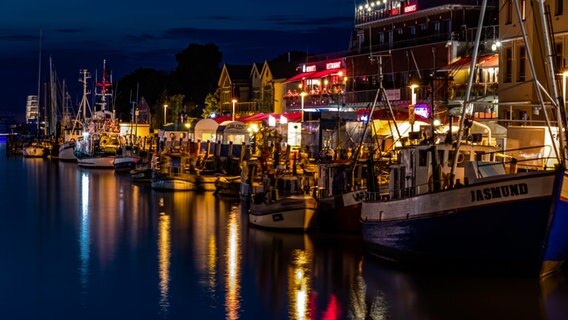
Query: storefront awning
[(301, 76), (315, 74), (486, 61)]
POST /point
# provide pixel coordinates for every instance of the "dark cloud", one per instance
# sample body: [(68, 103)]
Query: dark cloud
[(18, 37), (68, 30)]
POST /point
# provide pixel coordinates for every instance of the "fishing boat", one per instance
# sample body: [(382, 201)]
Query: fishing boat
[(462, 204), (34, 150), (174, 166), (173, 172), (127, 158), (284, 207), (228, 186), (339, 198), (100, 142)]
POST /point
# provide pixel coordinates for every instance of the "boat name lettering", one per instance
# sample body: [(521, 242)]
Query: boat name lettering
[(499, 192)]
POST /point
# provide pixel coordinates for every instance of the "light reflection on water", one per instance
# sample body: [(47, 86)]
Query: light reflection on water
[(233, 258), (164, 253), (99, 246), (84, 234)]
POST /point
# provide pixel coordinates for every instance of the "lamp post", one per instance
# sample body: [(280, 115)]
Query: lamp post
[(165, 108), (411, 114), (234, 101), (302, 95)]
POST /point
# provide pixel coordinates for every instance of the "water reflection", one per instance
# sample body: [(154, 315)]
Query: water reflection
[(299, 284), (282, 264), (427, 295), (164, 252), (233, 261), (84, 233)]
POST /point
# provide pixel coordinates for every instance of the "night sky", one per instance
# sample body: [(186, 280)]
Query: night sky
[(147, 34)]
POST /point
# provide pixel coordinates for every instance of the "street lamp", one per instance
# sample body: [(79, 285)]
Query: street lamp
[(302, 95), (165, 108), (234, 101), (411, 114)]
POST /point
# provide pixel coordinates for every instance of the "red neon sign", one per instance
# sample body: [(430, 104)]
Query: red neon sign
[(410, 8)]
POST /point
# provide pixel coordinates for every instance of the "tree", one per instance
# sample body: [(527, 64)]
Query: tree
[(212, 104), (197, 71)]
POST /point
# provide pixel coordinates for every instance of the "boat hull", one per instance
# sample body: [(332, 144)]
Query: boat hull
[(341, 212), (33, 152), (102, 162), (496, 227), (228, 186), (206, 183), (173, 184), (292, 213), (125, 163), (66, 152)]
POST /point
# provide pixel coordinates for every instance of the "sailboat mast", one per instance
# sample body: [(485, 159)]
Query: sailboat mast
[(39, 81)]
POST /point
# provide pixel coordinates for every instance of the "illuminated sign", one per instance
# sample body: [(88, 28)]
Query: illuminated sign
[(394, 12), (422, 110), (333, 65), (310, 68), (410, 8)]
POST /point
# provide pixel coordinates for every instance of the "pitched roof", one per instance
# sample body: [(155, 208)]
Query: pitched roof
[(239, 73)]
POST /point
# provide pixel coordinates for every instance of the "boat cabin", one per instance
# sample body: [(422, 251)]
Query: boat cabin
[(414, 173)]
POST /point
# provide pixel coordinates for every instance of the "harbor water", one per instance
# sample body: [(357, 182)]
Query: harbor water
[(89, 244)]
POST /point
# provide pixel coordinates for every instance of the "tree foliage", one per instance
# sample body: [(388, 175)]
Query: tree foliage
[(197, 72), (149, 83), (212, 104)]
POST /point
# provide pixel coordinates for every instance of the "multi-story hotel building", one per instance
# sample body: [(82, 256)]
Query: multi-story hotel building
[(518, 100), (398, 43)]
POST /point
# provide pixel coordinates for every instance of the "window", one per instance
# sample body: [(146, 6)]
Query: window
[(523, 9), (437, 26), (509, 12), (413, 30), (423, 27), (559, 7), (559, 59), (508, 65), (522, 64), (381, 37)]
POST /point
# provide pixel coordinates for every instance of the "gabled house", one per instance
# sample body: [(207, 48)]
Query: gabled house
[(273, 85), (237, 82)]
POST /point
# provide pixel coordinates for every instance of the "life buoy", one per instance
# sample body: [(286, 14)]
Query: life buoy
[(104, 141)]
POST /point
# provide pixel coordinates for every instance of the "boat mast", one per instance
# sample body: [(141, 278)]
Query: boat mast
[(558, 101), (83, 107), (466, 104), (39, 82)]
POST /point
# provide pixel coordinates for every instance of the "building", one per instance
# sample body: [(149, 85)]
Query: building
[(399, 43), (256, 89), (518, 99)]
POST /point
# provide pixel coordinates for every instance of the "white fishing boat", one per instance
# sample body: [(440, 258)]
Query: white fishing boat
[(173, 173), (284, 207), (100, 141), (463, 203)]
